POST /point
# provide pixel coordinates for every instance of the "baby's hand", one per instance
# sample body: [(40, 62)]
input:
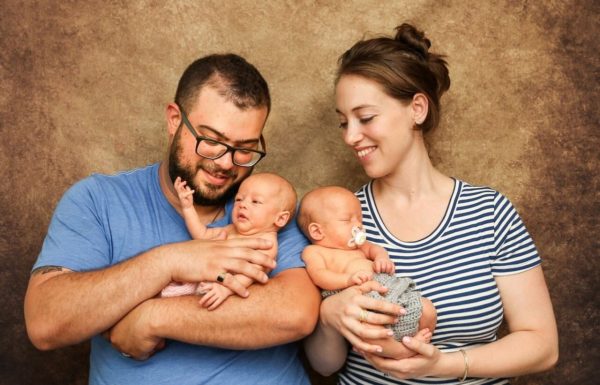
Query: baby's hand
[(359, 278), (184, 192), (384, 265), (215, 296)]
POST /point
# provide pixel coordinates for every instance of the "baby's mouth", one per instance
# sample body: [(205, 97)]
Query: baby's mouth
[(359, 236)]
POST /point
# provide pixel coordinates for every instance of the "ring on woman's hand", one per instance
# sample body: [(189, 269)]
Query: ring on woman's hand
[(126, 355), (363, 315), (221, 277)]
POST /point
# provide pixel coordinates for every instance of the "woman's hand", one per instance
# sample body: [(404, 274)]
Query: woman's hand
[(358, 317), (422, 364)]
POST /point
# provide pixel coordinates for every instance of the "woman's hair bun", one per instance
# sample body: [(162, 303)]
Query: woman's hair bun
[(413, 38)]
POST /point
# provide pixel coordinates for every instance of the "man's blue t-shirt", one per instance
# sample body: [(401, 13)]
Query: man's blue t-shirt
[(103, 220)]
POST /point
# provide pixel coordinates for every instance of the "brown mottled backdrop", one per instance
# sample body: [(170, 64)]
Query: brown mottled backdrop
[(84, 86)]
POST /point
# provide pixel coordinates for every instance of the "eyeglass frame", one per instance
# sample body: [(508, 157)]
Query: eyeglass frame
[(231, 149)]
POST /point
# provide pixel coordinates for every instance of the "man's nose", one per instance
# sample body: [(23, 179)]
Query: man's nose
[(225, 162)]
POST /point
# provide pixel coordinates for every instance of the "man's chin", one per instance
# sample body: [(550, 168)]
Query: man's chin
[(215, 195)]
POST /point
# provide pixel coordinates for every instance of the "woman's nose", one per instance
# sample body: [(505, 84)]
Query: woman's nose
[(352, 134)]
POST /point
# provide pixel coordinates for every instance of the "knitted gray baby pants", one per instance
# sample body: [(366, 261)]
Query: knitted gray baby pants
[(401, 291)]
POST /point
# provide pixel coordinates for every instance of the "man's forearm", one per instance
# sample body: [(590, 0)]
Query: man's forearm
[(65, 307), (283, 310)]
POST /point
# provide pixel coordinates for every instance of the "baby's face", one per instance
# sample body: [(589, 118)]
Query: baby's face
[(256, 206), (340, 216)]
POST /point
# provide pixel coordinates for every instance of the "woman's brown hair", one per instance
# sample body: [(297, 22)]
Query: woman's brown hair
[(403, 67)]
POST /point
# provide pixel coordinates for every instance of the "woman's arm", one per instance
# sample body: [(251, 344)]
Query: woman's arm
[(340, 320), (531, 345)]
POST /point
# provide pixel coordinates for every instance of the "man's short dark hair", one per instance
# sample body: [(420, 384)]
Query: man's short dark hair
[(231, 75)]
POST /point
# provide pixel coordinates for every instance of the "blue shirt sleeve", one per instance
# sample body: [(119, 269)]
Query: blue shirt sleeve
[(291, 242), (76, 236)]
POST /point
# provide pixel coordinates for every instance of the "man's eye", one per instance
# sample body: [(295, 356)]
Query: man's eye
[(209, 142)]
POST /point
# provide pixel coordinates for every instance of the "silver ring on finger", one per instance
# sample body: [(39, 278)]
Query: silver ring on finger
[(126, 355)]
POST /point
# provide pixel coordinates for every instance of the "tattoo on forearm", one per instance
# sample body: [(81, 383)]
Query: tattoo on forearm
[(46, 269)]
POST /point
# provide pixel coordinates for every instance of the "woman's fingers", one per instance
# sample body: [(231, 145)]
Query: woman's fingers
[(419, 347)]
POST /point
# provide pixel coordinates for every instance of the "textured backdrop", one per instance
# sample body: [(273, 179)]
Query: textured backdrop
[(83, 89)]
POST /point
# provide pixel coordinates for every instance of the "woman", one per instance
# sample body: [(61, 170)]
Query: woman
[(464, 246)]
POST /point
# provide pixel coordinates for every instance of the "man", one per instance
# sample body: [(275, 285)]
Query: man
[(115, 241)]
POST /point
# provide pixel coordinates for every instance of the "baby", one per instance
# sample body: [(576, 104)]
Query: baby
[(263, 205), (340, 256)]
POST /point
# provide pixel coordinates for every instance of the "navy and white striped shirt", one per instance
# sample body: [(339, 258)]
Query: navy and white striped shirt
[(481, 236)]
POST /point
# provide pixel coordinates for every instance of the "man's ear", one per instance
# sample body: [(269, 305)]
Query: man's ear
[(420, 107), (282, 218), (173, 115), (315, 231)]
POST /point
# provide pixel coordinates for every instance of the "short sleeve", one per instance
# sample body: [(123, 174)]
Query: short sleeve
[(76, 236), (514, 251), (290, 243)]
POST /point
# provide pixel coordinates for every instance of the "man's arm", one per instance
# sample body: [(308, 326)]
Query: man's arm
[(283, 310), (63, 307)]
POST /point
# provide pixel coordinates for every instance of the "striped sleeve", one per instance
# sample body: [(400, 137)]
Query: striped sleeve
[(514, 251)]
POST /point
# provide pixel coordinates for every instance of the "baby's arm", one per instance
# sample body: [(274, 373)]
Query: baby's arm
[(195, 227), (381, 260), (328, 279)]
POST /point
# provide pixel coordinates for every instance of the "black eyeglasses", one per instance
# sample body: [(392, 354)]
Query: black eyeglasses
[(213, 149)]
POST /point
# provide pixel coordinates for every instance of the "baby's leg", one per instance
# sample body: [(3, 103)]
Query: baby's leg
[(428, 315), (176, 289)]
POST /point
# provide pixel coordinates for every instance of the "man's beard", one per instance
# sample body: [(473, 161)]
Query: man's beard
[(176, 169)]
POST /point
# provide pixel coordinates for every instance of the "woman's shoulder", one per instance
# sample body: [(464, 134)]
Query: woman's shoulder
[(470, 195)]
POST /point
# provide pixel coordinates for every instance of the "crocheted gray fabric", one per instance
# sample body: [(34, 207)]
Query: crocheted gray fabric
[(401, 291)]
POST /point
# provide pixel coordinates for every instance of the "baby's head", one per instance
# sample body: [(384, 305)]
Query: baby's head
[(331, 217), (264, 202)]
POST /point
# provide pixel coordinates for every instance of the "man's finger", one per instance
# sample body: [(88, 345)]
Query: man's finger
[(234, 285)]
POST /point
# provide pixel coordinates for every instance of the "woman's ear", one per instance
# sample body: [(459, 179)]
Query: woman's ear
[(420, 107), (315, 231), (173, 115)]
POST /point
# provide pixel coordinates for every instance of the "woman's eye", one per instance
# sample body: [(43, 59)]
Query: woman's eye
[(366, 119), (343, 125)]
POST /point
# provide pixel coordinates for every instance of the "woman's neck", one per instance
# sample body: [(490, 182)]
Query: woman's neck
[(413, 179)]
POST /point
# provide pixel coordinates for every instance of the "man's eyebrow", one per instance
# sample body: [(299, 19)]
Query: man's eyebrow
[(360, 107), (224, 137)]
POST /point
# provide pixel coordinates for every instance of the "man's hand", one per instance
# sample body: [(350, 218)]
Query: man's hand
[(132, 335), (200, 260)]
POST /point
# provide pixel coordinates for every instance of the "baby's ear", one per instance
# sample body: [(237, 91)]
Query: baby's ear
[(315, 231), (282, 219)]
